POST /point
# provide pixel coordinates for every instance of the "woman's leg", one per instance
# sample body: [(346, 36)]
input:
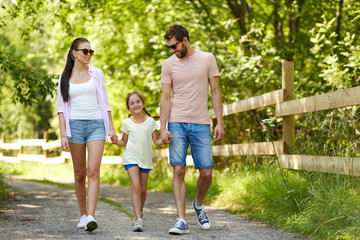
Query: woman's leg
[(134, 176), (95, 153), (143, 184), (78, 155)]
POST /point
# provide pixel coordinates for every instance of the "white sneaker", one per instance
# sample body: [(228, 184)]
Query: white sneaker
[(82, 222), (91, 224), (138, 225)]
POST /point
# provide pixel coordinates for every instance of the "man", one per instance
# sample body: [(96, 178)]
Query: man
[(188, 74)]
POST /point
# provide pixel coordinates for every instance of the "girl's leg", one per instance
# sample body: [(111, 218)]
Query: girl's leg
[(143, 183), (95, 153), (134, 176), (78, 155)]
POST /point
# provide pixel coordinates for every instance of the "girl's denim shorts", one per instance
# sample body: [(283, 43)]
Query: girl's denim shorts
[(84, 131), (144, 170)]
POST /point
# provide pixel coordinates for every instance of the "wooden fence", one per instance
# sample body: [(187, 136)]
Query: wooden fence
[(285, 107)]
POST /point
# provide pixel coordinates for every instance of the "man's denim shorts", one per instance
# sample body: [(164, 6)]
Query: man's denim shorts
[(84, 131), (198, 136), (144, 170)]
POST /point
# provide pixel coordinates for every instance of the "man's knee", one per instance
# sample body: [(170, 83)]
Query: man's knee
[(179, 170), (205, 174)]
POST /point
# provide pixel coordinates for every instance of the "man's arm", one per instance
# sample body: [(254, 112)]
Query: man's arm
[(166, 136), (218, 109)]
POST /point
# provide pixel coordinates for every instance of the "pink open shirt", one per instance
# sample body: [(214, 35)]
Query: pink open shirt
[(102, 98)]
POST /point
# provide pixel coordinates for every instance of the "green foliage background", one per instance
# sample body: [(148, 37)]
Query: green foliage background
[(250, 40)]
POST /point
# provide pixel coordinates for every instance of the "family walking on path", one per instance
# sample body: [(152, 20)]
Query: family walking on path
[(85, 119)]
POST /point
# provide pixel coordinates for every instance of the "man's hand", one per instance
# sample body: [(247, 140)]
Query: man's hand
[(219, 132), (166, 136)]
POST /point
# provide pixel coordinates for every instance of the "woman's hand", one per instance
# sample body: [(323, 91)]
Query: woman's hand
[(65, 144), (114, 137)]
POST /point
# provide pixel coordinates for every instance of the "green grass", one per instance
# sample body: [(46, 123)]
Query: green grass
[(3, 186), (40, 171), (62, 185), (118, 206)]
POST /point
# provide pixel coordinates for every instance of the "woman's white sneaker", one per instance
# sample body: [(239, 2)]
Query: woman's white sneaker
[(82, 222), (91, 224)]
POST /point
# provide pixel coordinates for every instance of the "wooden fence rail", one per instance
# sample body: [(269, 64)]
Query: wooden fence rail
[(285, 107)]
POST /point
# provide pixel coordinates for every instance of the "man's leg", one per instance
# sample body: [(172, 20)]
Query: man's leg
[(178, 151), (201, 151), (203, 184), (179, 189)]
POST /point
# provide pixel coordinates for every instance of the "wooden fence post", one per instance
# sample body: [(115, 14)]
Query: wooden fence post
[(288, 121), (3, 141), (46, 138)]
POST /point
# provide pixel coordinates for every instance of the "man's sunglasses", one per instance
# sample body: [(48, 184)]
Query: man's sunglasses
[(86, 51), (173, 47)]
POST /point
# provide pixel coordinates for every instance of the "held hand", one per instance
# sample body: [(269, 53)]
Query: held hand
[(114, 137), (219, 132), (65, 144), (166, 136)]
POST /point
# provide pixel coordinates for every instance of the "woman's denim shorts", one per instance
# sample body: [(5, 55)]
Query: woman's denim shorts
[(84, 131), (198, 136)]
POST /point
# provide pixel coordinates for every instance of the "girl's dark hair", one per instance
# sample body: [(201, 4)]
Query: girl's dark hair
[(65, 76), (177, 31), (143, 101)]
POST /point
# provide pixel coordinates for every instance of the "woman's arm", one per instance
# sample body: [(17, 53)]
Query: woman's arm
[(122, 142), (156, 139), (64, 141), (113, 135)]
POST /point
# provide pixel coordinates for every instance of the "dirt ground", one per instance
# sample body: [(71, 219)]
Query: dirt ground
[(40, 211)]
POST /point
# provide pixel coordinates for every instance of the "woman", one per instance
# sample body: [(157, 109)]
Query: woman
[(85, 119)]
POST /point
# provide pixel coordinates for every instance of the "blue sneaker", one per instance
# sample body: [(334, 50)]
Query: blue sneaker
[(180, 228), (202, 218)]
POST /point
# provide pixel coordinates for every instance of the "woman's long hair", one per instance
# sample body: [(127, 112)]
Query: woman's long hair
[(143, 101), (65, 76)]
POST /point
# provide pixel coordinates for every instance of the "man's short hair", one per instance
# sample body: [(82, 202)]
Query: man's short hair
[(177, 31)]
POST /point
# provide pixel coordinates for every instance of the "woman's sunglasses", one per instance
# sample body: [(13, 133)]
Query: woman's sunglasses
[(86, 51)]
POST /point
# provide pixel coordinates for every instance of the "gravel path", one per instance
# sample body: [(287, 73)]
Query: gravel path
[(41, 211)]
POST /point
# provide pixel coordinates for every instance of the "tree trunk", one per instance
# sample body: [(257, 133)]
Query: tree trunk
[(338, 20), (239, 10)]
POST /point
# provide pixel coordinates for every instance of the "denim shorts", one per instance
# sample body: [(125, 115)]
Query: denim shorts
[(198, 136), (84, 131), (144, 170)]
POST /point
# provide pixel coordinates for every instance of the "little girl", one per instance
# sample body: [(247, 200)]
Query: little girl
[(138, 131)]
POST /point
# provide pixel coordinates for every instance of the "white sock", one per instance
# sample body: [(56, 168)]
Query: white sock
[(182, 220), (197, 207)]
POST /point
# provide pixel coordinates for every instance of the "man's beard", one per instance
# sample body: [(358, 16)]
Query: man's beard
[(183, 51)]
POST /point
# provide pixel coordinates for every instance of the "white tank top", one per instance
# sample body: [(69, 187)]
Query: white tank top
[(83, 101)]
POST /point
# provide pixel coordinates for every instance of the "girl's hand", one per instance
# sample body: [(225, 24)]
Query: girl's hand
[(65, 144)]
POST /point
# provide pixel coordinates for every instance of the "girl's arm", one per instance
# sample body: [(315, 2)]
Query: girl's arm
[(122, 142), (156, 139)]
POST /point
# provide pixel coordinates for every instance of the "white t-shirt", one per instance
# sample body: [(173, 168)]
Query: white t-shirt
[(139, 145), (189, 78), (83, 101)]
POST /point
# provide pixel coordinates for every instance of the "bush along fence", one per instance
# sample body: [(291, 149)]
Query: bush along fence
[(285, 106)]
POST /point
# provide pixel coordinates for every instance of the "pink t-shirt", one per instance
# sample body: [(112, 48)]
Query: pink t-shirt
[(189, 78)]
